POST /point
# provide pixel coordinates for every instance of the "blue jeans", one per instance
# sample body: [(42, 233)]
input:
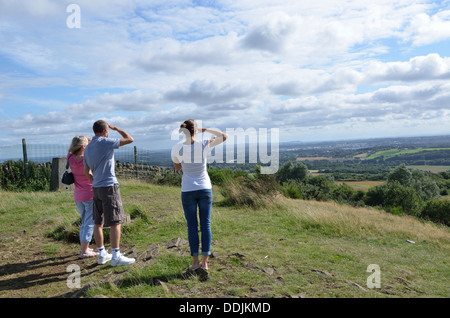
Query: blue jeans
[(203, 199), (87, 221)]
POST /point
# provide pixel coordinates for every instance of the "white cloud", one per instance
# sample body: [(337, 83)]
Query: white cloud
[(412, 103), (36, 8), (204, 92), (306, 82), (427, 67), (407, 94), (426, 29), (128, 101), (272, 34), (312, 64), (170, 55)]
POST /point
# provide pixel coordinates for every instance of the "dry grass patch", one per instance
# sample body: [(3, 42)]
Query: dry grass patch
[(345, 220)]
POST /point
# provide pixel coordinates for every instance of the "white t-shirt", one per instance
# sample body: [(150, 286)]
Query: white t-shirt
[(193, 159)]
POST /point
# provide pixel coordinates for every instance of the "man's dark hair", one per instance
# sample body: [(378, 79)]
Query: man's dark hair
[(100, 126)]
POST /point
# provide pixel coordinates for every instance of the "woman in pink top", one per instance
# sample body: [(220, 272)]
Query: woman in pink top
[(82, 193)]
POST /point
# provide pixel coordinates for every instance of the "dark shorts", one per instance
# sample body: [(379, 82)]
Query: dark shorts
[(108, 208)]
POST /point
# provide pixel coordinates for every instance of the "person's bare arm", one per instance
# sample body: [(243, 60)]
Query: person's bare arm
[(176, 164), (88, 173), (127, 139), (220, 136)]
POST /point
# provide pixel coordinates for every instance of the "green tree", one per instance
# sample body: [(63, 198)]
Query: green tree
[(425, 187), (394, 195), (319, 187), (289, 171), (375, 196), (437, 211), (400, 174), (343, 193), (398, 195), (291, 189)]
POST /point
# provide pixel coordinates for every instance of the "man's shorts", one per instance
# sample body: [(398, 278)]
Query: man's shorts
[(108, 208)]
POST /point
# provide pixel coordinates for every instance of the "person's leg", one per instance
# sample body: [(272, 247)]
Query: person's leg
[(204, 262), (189, 202), (88, 220), (98, 235), (87, 226), (195, 263), (84, 244), (205, 205), (103, 255), (114, 233), (113, 218), (114, 215)]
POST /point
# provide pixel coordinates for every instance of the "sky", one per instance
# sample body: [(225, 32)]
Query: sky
[(316, 70)]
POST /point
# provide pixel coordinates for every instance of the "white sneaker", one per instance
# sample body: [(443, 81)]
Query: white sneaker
[(122, 260), (105, 258)]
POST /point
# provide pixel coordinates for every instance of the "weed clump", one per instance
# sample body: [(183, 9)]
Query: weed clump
[(249, 190)]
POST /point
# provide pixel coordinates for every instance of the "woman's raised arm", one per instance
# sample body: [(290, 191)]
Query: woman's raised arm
[(220, 136)]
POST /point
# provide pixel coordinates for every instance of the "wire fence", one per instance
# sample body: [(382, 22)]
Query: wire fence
[(40, 166), (131, 161)]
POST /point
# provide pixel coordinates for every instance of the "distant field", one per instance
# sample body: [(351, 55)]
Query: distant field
[(361, 185), (314, 158), (361, 156), (396, 152), (434, 169)]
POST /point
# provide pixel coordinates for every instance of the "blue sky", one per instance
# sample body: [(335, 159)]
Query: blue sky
[(316, 70)]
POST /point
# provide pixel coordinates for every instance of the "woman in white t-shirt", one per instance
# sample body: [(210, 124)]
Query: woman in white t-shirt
[(190, 156)]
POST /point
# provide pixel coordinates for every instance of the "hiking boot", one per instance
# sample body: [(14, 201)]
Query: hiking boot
[(122, 260), (105, 258)]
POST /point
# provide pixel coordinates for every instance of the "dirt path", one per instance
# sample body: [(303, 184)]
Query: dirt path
[(34, 266)]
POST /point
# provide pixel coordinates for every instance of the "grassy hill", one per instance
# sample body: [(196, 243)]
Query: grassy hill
[(290, 248), (387, 154)]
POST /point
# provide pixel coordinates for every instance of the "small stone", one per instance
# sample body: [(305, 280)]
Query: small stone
[(319, 271), (163, 285)]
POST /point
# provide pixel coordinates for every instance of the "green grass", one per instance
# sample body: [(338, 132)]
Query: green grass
[(397, 152), (288, 248), (21, 209), (434, 169)]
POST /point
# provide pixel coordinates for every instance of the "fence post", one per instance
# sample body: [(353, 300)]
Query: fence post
[(25, 157), (136, 161)]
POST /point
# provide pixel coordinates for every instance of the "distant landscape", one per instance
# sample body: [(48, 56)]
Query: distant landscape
[(347, 160), (431, 150), (400, 175)]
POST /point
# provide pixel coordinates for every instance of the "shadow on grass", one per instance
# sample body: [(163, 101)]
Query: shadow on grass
[(133, 281), (41, 272)]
